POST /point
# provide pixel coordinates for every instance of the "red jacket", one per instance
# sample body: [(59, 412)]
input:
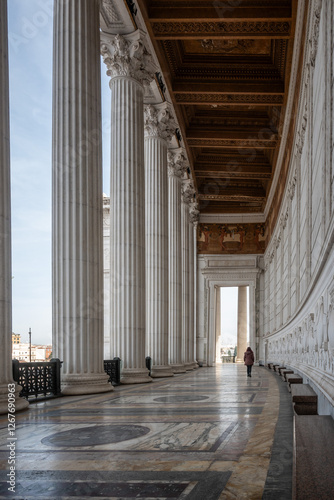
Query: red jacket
[(249, 357)]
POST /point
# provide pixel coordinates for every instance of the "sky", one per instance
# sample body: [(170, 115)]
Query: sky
[(30, 27)]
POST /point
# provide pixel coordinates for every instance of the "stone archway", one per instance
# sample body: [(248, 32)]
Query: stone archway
[(219, 272)]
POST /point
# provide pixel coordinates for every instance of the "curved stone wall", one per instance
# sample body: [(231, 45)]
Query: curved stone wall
[(298, 279)]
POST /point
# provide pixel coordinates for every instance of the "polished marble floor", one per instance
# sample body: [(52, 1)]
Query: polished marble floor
[(212, 433)]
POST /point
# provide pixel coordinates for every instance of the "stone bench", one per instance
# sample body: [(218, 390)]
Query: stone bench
[(275, 365), (304, 399), (284, 374), (279, 368), (293, 378), (313, 457), (270, 366)]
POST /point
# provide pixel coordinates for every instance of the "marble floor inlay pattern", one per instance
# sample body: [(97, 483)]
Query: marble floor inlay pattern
[(204, 435)]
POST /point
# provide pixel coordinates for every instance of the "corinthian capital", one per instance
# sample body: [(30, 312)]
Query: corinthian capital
[(159, 122), (176, 162), (187, 191), (126, 55), (194, 213)]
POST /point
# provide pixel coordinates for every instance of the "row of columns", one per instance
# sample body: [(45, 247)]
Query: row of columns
[(149, 225), (141, 267), (152, 287)]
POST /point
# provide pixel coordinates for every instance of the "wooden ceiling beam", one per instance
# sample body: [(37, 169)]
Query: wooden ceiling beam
[(173, 11), (207, 207), (227, 87), (218, 133)]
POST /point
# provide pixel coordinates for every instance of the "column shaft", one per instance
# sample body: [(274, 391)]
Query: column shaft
[(192, 334), (242, 323), (5, 229), (175, 269), (156, 194), (77, 198), (185, 284), (130, 67), (127, 228)]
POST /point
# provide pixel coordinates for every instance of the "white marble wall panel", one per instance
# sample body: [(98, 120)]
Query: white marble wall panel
[(305, 339)]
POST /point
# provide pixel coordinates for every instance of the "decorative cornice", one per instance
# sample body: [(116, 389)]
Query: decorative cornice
[(187, 98), (127, 56), (240, 277), (232, 143), (292, 186), (315, 32), (232, 197), (299, 30), (219, 28), (301, 133), (159, 122)]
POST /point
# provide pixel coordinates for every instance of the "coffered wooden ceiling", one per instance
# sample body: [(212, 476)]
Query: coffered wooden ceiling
[(227, 67)]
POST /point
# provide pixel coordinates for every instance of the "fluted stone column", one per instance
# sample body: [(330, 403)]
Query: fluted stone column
[(5, 231), (127, 62), (187, 197), (159, 128), (77, 198), (193, 218), (242, 323), (175, 172), (185, 278)]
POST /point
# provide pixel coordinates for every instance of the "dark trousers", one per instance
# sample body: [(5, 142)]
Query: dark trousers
[(249, 369)]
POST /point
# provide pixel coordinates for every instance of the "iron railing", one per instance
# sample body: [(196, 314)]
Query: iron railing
[(113, 368), (148, 362), (38, 379)]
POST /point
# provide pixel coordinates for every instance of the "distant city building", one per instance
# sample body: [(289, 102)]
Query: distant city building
[(16, 338), (39, 353)]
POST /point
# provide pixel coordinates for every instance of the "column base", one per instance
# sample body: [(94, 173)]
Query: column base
[(162, 371), (20, 403), (135, 376), (239, 360), (194, 365), (189, 367), (85, 383), (178, 368)]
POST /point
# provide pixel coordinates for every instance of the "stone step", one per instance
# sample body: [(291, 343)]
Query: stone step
[(293, 378), (304, 399)]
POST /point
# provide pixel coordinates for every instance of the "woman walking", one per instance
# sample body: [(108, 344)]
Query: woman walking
[(249, 361)]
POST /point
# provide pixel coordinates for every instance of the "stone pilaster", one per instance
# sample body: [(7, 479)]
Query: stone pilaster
[(175, 172), (6, 371), (242, 323), (77, 198), (128, 64), (159, 129)]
